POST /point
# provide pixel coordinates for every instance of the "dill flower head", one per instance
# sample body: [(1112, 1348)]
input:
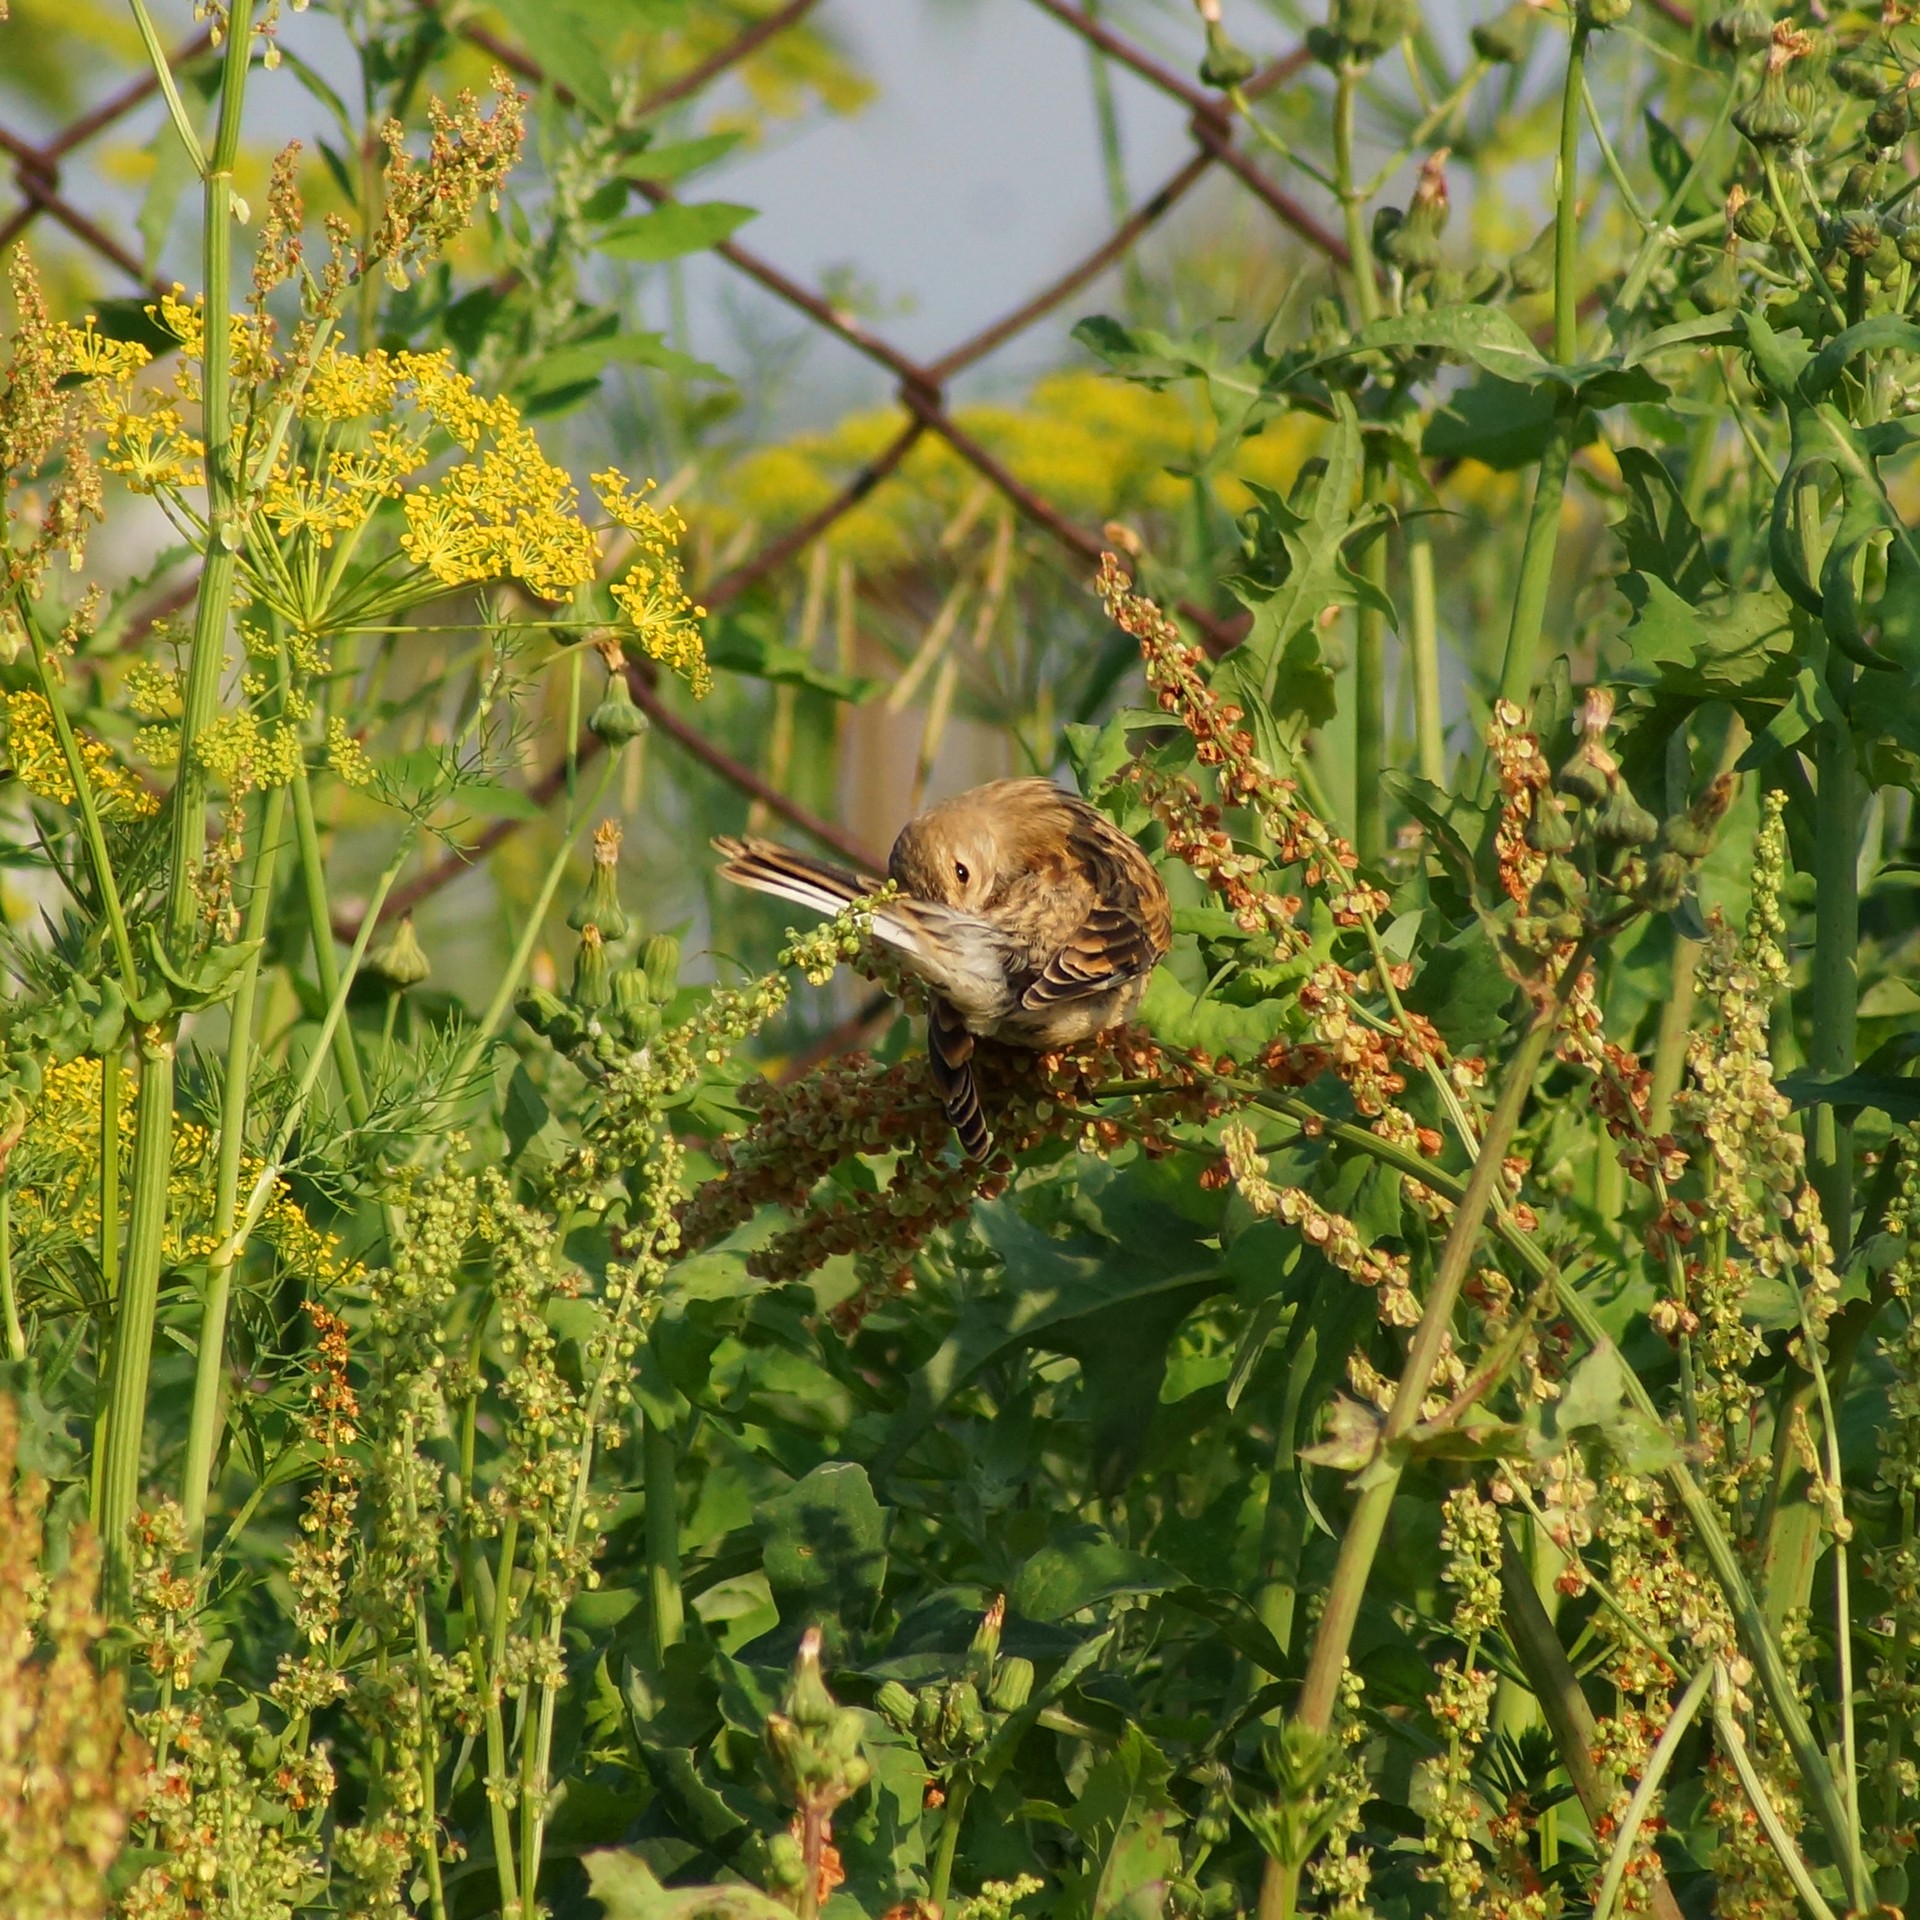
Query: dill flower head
[(652, 593), (33, 748)]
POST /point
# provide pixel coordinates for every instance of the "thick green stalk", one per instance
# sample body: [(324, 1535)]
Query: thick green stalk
[(313, 874), (9, 1301), (1836, 965), (112, 1072), (204, 1421), (1353, 207), (1370, 686), (954, 1813), (498, 1816), (1550, 484), (133, 1319), (667, 1607), (131, 1356), (1423, 645), (1366, 1526)]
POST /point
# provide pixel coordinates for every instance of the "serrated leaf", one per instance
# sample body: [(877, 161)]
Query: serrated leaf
[(1489, 338)]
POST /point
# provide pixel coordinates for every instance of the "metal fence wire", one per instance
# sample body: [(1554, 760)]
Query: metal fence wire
[(922, 387)]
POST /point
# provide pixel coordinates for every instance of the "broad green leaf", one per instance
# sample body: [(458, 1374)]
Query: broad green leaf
[(1063, 1579), (1657, 532), (1898, 1098), (672, 231), (750, 642), (1122, 1818), (626, 1889), (586, 361), (1717, 647), (1490, 338), (1501, 423), (678, 158), (825, 1542)]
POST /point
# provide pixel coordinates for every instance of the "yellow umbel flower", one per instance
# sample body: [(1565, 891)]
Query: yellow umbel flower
[(346, 756), (34, 749), (651, 593)]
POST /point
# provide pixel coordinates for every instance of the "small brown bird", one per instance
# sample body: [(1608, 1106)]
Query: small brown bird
[(1029, 915)]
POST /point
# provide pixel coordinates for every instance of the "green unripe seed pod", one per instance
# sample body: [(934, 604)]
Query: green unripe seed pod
[(1770, 119), (1862, 74), (1719, 287), (1756, 220), (1549, 830), (1583, 779), (541, 1010), (616, 720), (592, 988)]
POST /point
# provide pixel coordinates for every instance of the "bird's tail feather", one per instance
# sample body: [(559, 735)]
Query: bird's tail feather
[(767, 867)]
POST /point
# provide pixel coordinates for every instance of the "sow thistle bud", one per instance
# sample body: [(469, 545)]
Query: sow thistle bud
[(591, 987), (1358, 32), (1719, 287), (1741, 28), (1598, 15), (1531, 270), (637, 1016), (1623, 821), (1862, 73), (1549, 830), (813, 1740), (600, 905), (894, 1704), (1770, 118), (1411, 240), (1888, 123), (549, 1016), (616, 720), (660, 956), (1751, 217), (1587, 776), (1506, 38), (400, 960), (1012, 1685), (1225, 64)]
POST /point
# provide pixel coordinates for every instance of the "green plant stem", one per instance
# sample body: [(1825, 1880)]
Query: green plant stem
[(9, 1301), (131, 1355), (1423, 645), (138, 1301), (1566, 211), (210, 1359), (1353, 207), (112, 1071), (667, 1608), (313, 874), (1648, 1785), (1835, 987), (1733, 1743), (1370, 683), (954, 1813), (497, 1812), (1366, 1525)]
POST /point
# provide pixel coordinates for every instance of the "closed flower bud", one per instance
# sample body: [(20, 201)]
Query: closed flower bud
[(400, 960), (1770, 119), (591, 987), (1225, 64), (1753, 219), (1742, 27), (1549, 830), (894, 1704), (1863, 74), (1908, 243), (1857, 234), (600, 905), (1599, 15), (1719, 287), (808, 1702), (1887, 124), (1505, 39), (786, 1862), (1012, 1685), (1624, 822), (1664, 883), (660, 955), (1859, 188), (616, 720), (541, 1010), (1584, 779), (986, 1639), (1532, 268)]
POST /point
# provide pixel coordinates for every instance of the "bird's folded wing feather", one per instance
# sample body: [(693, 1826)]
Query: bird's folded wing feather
[(767, 867)]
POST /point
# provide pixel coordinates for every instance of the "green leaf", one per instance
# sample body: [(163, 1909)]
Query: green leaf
[(572, 40), (589, 359), (825, 1547), (1489, 338), (1500, 423), (1657, 532), (1063, 1579), (672, 231), (1896, 1097), (749, 642), (1716, 647), (678, 158), (626, 1888), (1122, 1818)]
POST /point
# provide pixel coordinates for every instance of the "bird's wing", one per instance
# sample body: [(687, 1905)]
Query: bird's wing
[(950, 1052), (767, 867), (1126, 929)]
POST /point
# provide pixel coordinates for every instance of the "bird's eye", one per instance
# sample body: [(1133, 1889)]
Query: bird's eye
[(960, 872)]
